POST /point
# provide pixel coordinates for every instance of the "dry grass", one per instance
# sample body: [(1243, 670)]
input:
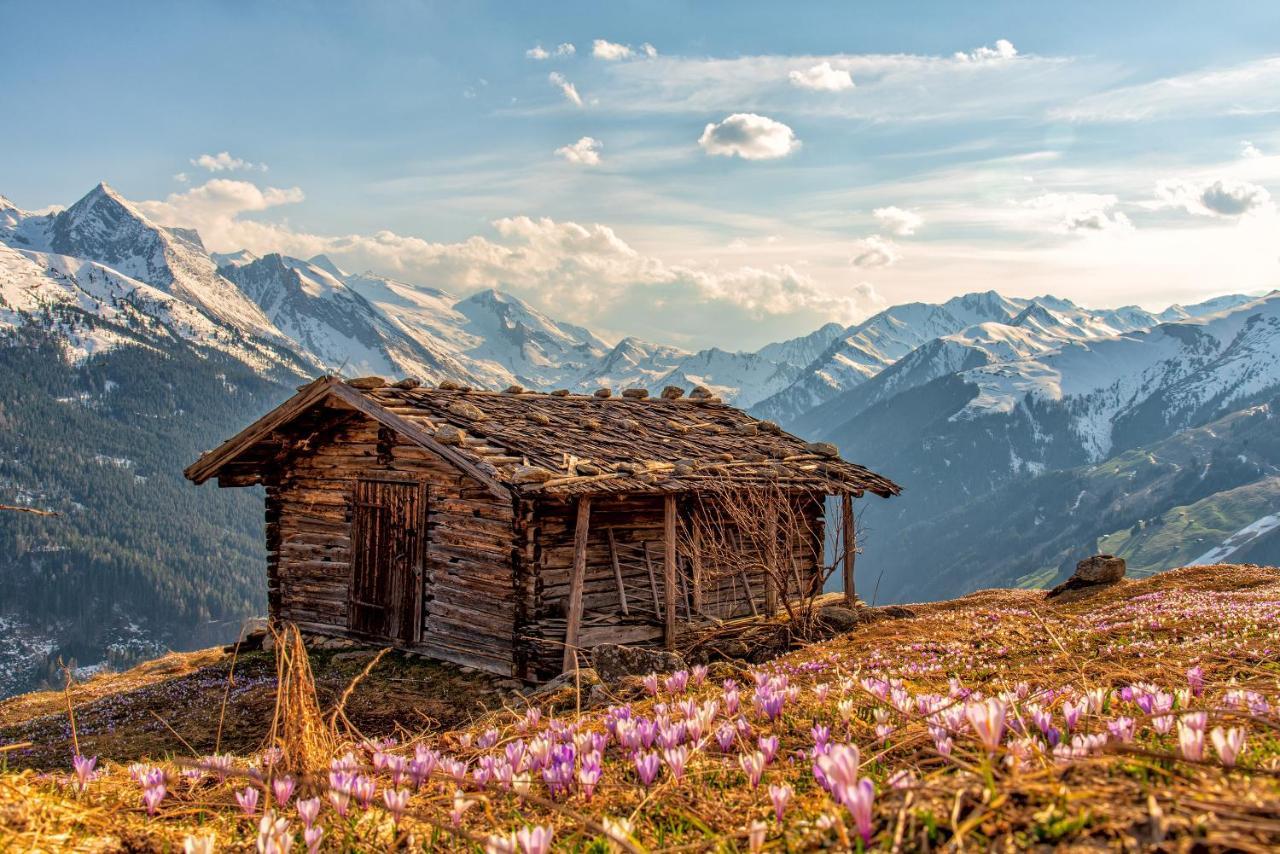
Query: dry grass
[(1138, 795)]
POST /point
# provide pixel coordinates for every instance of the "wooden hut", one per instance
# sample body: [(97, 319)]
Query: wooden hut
[(505, 530)]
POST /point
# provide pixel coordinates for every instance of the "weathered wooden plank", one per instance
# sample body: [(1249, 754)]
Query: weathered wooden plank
[(579, 572), (669, 568), (849, 538)]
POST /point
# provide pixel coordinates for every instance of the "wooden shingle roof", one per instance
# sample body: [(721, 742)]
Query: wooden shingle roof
[(571, 444)]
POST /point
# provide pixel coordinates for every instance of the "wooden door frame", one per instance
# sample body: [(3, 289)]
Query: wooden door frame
[(419, 564)]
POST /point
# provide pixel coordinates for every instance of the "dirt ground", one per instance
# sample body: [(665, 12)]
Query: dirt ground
[(172, 706)]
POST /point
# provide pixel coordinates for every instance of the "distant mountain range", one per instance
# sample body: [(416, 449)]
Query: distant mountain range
[(1027, 432)]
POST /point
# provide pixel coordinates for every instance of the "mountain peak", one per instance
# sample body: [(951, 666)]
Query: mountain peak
[(324, 262)]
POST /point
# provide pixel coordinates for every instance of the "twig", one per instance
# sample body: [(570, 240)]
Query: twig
[(35, 511), (175, 734), (71, 714), (339, 711), (226, 695)]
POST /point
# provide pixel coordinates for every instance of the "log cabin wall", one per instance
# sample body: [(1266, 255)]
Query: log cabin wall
[(634, 522), (472, 597)]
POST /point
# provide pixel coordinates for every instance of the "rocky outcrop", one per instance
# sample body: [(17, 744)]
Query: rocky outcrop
[(613, 662), (1093, 574)]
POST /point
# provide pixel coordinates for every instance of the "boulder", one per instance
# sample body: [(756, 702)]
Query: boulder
[(1100, 569), (408, 383), (635, 393), (822, 449), (1099, 572), (447, 434), (448, 385), (603, 392), (672, 392), (531, 474), (367, 383), (583, 677), (514, 389), (838, 619), (613, 662)]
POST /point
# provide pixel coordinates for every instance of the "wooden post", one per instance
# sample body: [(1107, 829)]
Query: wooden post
[(575, 587), (849, 540), (696, 560), (669, 567), (771, 561)]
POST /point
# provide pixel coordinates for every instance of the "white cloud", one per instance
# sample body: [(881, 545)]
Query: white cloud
[(560, 51), (1002, 50), (749, 136), (610, 51), (648, 50), (822, 77), (1079, 212), (568, 89), (583, 272), (898, 221), (214, 208), (1224, 197), (181, 177), (585, 152), (224, 162), (1249, 150), (874, 251)]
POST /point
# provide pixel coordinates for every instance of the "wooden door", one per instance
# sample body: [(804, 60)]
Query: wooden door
[(388, 534)]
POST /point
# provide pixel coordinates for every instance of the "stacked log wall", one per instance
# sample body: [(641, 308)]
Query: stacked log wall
[(471, 596)]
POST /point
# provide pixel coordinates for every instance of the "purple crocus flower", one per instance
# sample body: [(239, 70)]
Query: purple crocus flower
[(1195, 680), (780, 794), (396, 801), (647, 766), (84, 770), (308, 811), (248, 800), (282, 789), (768, 747)]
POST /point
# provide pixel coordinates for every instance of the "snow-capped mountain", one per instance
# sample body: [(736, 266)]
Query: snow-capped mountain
[(1036, 329), (869, 347), (333, 324), (1170, 373), (106, 228), (990, 327)]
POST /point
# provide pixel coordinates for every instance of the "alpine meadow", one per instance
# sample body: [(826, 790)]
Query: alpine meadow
[(643, 427)]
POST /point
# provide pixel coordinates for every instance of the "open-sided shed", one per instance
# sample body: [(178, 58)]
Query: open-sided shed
[(506, 530)]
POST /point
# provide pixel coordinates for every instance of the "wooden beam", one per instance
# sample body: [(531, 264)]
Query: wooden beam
[(849, 541), (575, 587), (669, 566)]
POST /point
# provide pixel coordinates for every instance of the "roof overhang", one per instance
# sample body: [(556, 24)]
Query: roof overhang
[(322, 391)]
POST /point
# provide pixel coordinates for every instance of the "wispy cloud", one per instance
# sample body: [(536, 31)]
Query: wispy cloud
[(566, 88), (1245, 89), (224, 162)]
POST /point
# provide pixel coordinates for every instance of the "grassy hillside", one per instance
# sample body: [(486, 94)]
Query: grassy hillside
[(1143, 718)]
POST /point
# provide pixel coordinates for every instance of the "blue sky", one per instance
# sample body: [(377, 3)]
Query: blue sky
[(694, 173)]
